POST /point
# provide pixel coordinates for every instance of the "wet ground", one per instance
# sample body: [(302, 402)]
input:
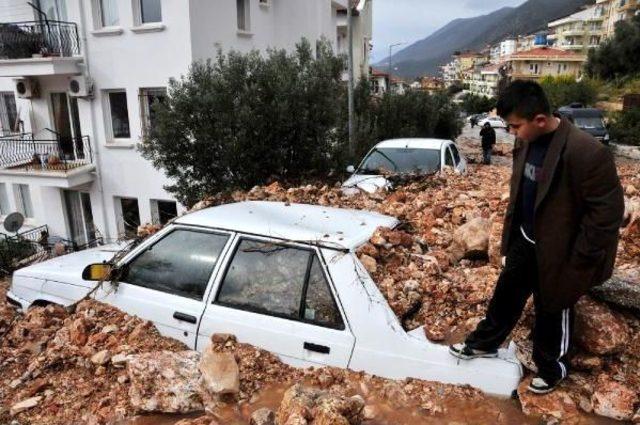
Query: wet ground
[(494, 412)]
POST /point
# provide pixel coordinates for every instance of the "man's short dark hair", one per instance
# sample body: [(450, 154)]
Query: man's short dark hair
[(526, 99)]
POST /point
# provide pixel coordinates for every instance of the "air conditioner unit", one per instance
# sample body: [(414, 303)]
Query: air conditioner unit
[(80, 86), (26, 88)]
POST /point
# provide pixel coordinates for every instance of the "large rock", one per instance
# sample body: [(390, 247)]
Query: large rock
[(613, 399), (471, 240), (24, 405), (263, 416), (220, 373), (301, 406), (598, 330), (622, 289), (557, 404), (165, 382)]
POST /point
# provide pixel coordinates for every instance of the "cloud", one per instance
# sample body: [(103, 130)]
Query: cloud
[(408, 21)]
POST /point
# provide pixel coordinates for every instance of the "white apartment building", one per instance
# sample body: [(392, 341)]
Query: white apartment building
[(581, 31), (507, 48), (77, 78)]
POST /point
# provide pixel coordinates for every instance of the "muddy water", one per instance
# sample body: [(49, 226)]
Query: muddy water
[(493, 412)]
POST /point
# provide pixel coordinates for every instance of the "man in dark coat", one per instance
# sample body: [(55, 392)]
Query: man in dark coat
[(560, 232), (488, 135)]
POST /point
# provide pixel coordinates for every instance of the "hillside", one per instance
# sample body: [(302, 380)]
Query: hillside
[(424, 56)]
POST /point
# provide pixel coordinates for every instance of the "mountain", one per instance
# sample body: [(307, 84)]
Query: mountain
[(425, 56)]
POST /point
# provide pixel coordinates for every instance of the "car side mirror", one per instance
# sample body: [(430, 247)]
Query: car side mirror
[(351, 169), (97, 272)]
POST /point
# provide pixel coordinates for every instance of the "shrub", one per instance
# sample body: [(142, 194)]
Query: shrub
[(564, 90), (625, 127), (474, 104)]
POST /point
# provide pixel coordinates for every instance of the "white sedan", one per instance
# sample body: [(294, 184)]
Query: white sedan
[(495, 122), (404, 156), (285, 278)]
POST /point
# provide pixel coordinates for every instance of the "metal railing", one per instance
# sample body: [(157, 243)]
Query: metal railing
[(21, 40), (26, 152)]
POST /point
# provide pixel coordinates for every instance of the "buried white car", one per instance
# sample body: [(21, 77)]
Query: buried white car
[(284, 278), (401, 157)]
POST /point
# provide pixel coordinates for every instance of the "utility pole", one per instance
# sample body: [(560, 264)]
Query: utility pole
[(352, 147)]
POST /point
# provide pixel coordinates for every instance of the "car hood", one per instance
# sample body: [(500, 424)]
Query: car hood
[(367, 183), (68, 268)]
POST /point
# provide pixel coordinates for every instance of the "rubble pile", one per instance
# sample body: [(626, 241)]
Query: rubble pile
[(330, 396), (61, 368)]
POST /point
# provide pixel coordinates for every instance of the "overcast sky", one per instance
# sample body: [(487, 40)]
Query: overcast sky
[(396, 21)]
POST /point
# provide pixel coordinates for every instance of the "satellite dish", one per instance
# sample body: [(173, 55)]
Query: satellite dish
[(13, 222)]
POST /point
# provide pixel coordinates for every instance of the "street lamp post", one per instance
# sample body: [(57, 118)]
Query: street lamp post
[(359, 5), (391, 46)]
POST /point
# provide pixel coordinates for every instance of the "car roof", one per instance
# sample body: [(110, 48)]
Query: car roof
[(413, 143), (581, 112), (328, 227)]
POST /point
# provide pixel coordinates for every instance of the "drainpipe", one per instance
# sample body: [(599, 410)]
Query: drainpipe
[(96, 151)]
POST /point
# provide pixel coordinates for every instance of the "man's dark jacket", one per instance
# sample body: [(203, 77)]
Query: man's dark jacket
[(578, 213), (488, 135)]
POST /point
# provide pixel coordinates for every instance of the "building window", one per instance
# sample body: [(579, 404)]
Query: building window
[(118, 114), (5, 208), (150, 11), (244, 23), (23, 200), (163, 211), (148, 98), (8, 113), (128, 216), (107, 13)]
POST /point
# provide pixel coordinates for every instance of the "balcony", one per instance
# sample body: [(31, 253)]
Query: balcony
[(64, 162), (39, 48)]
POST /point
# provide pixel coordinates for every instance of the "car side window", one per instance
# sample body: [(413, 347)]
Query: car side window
[(266, 278), (320, 307), (456, 154), (273, 279), (180, 263), (448, 159)]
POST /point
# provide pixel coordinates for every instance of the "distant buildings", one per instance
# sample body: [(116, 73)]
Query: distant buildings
[(544, 61), (561, 50)]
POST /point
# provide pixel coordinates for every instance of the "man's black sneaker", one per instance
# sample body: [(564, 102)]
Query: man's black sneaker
[(464, 352), (541, 386)]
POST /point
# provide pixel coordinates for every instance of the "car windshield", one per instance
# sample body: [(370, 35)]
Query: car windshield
[(589, 122), (401, 161)]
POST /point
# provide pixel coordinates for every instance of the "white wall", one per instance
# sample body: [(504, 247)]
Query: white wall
[(15, 11)]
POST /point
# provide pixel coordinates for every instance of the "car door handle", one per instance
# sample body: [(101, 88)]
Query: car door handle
[(185, 317), (323, 349)]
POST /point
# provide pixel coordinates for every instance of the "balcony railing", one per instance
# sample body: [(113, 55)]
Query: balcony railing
[(22, 40), (25, 152)]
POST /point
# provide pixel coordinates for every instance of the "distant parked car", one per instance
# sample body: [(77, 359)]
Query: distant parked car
[(590, 120), (282, 277), (404, 156), (495, 122)]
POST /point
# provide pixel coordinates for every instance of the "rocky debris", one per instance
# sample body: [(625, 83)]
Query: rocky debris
[(263, 416), (613, 399), (471, 240), (48, 353), (220, 372), (146, 230), (623, 289), (598, 330), (165, 382), (302, 406), (555, 405), (24, 405)]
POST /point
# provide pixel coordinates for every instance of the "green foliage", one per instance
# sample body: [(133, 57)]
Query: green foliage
[(413, 114), (618, 56), (564, 90), (12, 251), (245, 119), (625, 127), (474, 104)]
